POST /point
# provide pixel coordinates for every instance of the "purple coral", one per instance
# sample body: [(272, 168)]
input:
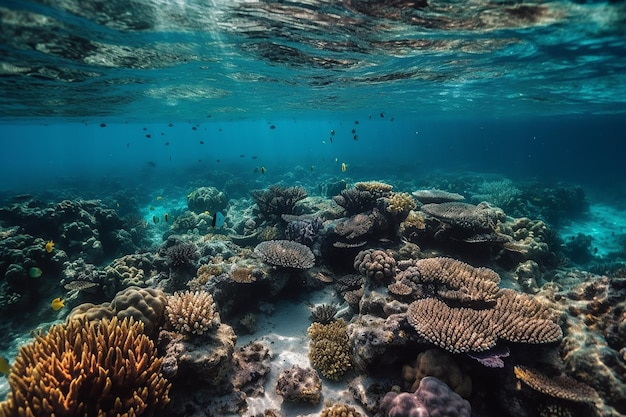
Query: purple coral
[(433, 398)]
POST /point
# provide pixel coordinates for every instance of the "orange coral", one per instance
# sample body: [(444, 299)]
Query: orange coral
[(106, 368)]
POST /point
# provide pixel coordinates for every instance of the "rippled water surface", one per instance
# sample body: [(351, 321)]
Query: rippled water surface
[(156, 59)]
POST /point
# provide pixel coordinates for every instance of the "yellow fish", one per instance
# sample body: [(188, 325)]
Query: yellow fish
[(57, 304), (49, 246), (343, 167), (5, 368), (159, 198)]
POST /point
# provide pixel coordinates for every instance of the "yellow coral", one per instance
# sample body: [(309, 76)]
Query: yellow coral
[(340, 410), (400, 204), (373, 187), (329, 350), (106, 368), (191, 312)]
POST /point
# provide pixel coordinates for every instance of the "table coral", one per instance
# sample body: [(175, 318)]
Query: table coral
[(561, 386), (285, 253), (109, 368), (329, 350)]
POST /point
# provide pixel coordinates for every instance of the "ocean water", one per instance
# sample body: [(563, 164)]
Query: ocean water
[(137, 103)]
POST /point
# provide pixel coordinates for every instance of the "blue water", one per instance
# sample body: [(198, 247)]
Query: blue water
[(138, 102)]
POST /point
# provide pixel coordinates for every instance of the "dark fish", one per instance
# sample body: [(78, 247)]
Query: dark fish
[(262, 170), (369, 116), (272, 127), (200, 160), (194, 128), (128, 145), (162, 134), (148, 136), (218, 219), (103, 125), (391, 120), (220, 129), (201, 142), (242, 156), (170, 125), (355, 137), (253, 156), (353, 131), (218, 160), (382, 114), (167, 144), (151, 164), (145, 128), (155, 219), (330, 139), (208, 116), (356, 122), (170, 157), (332, 132), (166, 217)]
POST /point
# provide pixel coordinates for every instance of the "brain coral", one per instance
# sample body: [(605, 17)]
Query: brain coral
[(109, 368), (206, 199), (515, 317), (329, 350), (285, 253), (191, 312), (375, 264)]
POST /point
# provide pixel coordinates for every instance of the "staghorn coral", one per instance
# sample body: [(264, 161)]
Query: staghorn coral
[(109, 368), (400, 204), (516, 318), (285, 253), (375, 264), (562, 386), (277, 200), (329, 351), (340, 410), (296, 384), (191, 313), (452, 279)]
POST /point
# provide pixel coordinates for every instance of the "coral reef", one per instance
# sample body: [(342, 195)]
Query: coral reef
[(561, 386), (285, 253), (432, 398), (340, 410), (252, 366), (206, 199), (400, 204), (324, 313), (375, 264), (276, 201), (515, 317), (108, 368), (191, 313), (142, 304), (304, 231), (329, 351), (428, 196), (440, 365), (296, 384), (181, 254)]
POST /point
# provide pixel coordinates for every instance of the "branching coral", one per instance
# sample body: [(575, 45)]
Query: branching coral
[(329, 350), (400, 204), (181, 254), (109, 368), (324, 313), (285, 253), (191, 312)]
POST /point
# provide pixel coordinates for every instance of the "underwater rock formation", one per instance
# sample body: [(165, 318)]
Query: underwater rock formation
[(206, 199), (296, 384), (105, 368), (276, 201)]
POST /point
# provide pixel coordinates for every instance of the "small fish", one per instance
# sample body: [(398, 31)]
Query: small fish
[(151, 208), (49, 246), (356, 122), (103, 125), (194, 128), (355, 137), (330, 139), (272, 127), (166, 217), (57, 304), (5, 368), (128, 145), (382, 115), (148, 136), (353, 131), (159, 198), (167, 144), (170, 125), (35, 272), (207, 212), (336, 159), (145, 128), (155, 219), (218, 219), (263, 170), (218, 160), (343, 167), (254, 157), (151, 164), (332, 132), (201, 142), (312, 167), (242, 156)]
